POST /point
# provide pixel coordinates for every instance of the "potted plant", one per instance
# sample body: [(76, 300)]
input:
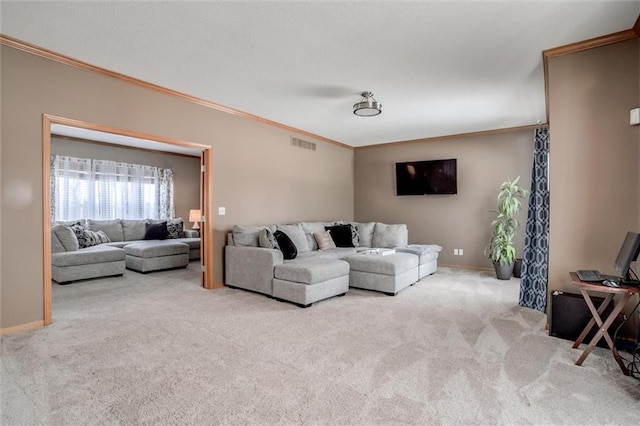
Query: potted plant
[(502, 251)]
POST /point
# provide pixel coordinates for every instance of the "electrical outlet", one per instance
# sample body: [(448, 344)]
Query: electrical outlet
[(460, 252), (455, 252)]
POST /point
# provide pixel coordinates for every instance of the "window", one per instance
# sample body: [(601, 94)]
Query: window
[(101, 189)]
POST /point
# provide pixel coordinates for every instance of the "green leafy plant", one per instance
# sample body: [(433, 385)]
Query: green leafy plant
[(505, 225)]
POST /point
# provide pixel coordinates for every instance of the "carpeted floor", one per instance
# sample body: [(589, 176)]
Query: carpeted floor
[(158, 349)]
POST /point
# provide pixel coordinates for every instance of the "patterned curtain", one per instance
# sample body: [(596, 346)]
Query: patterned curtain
[(165, 194), (535, 263)]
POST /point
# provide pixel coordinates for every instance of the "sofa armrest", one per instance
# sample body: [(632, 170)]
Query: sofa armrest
[(191, 233), (251, 268)]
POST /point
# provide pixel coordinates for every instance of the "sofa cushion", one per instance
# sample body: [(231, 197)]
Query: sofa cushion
[(156, 231), (392, 264), (149, 249), (65, 238), (268, 240), (309, 229), (324, 240), (247, 235), (311, 271), (296, 234), (389, 235), (365, 233), (287, 247), (175, 228), (134, 229), (341, 235), (88, 256), (113, 228)]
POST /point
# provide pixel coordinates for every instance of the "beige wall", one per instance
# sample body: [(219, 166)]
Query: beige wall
[(186, 170), (258, 176), (593, 156), (451, 221)]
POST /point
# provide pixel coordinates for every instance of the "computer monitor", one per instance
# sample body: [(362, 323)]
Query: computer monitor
[(628, 253)]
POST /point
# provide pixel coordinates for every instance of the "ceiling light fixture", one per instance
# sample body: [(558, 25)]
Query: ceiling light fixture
[(368, 106)]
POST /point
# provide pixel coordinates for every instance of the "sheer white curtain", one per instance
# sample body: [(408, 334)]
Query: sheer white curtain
[(71, 180), (105, 189)]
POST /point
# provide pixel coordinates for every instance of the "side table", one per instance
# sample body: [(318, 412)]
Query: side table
[(625, 292)]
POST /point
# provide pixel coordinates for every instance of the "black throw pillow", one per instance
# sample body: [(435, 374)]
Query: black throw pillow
[(288, 249), (156, 231), (341, 235)]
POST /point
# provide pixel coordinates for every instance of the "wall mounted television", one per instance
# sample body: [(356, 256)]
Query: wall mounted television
[(427, 177)]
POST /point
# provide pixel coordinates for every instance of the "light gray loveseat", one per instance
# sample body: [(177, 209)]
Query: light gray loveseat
[(314, 275), (107, 254)]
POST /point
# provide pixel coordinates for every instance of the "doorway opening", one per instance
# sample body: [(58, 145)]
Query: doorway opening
[(126, 138)]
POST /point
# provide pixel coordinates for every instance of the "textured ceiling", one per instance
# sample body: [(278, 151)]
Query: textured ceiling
[(438, 68)]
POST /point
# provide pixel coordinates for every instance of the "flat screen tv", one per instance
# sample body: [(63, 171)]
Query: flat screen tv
[(427, 177)]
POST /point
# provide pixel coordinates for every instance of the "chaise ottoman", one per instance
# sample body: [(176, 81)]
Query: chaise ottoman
[(306, 282), (428, 254), (91, 262), (388, 274), (155, 255)]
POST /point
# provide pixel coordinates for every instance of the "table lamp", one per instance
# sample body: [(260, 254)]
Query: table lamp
[(194, 216)]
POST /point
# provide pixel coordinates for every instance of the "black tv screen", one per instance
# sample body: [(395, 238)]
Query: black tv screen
[(427, 177)]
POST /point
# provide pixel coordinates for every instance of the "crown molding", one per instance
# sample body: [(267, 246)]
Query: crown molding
[(591, 43), (67, 60), (456, 136)]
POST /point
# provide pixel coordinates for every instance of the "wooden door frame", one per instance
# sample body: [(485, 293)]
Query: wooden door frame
[(206, 191)]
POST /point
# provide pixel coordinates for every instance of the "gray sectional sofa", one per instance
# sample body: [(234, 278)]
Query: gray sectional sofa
[(87, 248), (252, 263)]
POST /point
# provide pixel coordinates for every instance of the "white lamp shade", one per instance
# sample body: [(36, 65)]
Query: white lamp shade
[(194, 216)]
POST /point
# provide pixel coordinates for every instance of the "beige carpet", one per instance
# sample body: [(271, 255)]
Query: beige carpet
[(158, 349)]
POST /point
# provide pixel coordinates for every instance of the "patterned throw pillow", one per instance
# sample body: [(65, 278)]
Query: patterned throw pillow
[(81, 235), (268, 240), (101, 237), (93, 238), (175, 228), (355, 234)]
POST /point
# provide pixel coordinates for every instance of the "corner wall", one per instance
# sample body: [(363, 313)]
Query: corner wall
[(594, 160), (451, 221), (258, 176)]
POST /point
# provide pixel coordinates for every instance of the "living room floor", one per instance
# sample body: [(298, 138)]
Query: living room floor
[(455, 348)]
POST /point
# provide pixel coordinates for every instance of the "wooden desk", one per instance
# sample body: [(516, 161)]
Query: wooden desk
[(625, 293)]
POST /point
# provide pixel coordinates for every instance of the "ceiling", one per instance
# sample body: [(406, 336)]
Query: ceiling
[(117, 139), (438, 68)]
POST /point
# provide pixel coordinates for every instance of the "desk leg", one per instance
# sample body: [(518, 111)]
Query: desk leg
[(591, 322), (603, 329)]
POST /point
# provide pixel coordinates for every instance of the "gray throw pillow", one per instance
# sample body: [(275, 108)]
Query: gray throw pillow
[(134, 229), (389, 236), (66, 237), (365, 233), (246, 235), (297, 236)]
